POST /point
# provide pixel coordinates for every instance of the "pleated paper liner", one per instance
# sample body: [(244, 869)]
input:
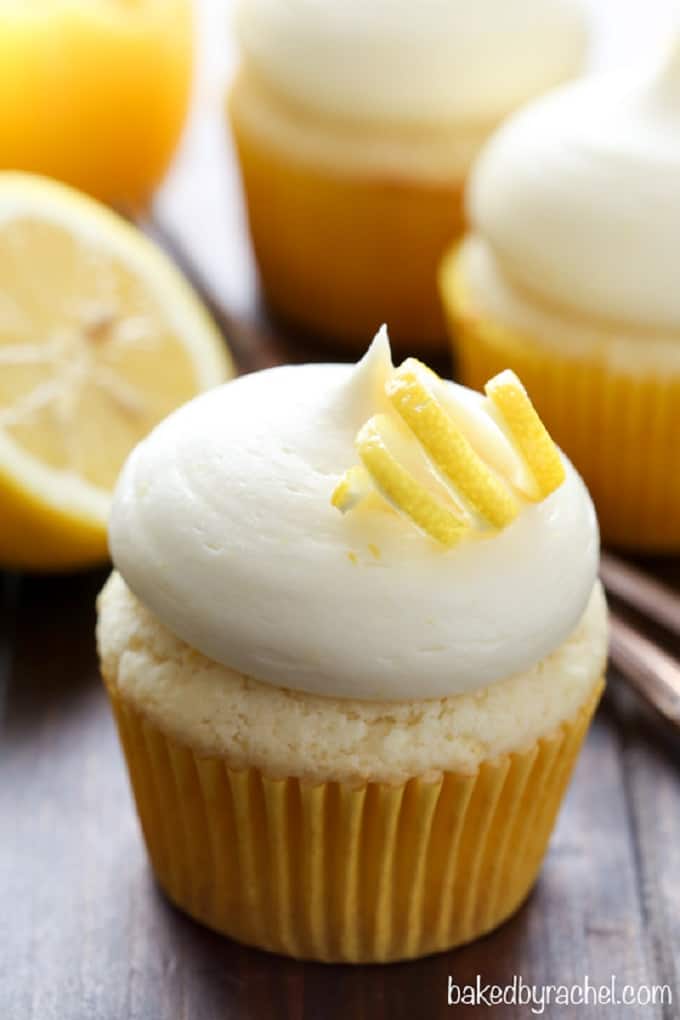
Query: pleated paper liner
[(340, 251), (621, 431), (340, 872)]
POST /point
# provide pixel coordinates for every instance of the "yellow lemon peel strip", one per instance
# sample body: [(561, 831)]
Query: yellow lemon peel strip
[(526, 430), (448, 448), (354, 485), (402, 490)]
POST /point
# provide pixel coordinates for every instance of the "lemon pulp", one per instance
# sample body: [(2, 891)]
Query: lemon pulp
[(99, 339)]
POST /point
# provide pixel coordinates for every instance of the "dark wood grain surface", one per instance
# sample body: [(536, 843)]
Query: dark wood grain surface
[(86, 935), (84, 932)]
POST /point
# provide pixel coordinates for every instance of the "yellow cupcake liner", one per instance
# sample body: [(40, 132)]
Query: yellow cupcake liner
[(621, 431), (340, 252), (332, 871)]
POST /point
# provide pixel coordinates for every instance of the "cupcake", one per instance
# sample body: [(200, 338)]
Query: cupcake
[(353, 641), (569, 275), (355, 124)]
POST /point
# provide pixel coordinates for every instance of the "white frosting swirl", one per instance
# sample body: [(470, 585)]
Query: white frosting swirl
[(222, 525), (579, 198), (406, 61)]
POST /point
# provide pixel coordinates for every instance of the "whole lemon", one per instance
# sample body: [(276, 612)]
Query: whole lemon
[(95, 92)]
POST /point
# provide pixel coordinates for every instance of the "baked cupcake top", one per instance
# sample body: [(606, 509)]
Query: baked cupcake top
[(577, 199), (226, 523), (413, 63)]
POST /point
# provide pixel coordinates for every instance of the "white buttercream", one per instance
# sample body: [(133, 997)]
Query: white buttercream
[(425, 152), (578, 196), (218, 712), (625, 348), (222, 525), (432, 60)]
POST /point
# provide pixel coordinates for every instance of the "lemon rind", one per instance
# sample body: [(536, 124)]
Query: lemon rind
[(24, 478), (511, 403), (448, 448), (403, 491)]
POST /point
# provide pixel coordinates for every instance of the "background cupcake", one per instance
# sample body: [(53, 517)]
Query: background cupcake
[(568, 275), (355, 125), (348, 735)]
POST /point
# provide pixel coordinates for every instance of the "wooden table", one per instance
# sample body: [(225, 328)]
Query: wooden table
[(85, 934)]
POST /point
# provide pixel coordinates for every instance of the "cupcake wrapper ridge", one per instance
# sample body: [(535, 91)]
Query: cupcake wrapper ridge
[(621, 430), (340, 252), (332, 871)]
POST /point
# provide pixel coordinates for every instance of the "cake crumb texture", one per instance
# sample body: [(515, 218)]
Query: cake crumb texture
[(218, 712)]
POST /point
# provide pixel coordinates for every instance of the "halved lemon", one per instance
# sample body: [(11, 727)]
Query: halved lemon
[(100, 338)]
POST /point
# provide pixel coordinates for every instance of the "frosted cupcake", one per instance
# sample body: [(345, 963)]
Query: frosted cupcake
[(348, 733), (355, 125), (569, 276)]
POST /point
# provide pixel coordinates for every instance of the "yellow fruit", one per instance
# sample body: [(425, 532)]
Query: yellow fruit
[(402, 490), (517, 415), (354, 486), (482, 491), (95, 92), (100, 337)]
